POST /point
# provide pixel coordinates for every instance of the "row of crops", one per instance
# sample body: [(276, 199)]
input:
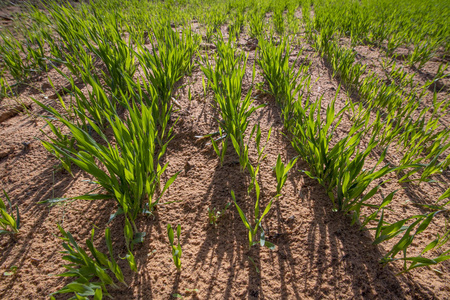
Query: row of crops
[(131, 55)]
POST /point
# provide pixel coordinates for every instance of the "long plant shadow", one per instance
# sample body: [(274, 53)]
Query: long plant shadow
[(275, 233), (351, 252), (46, 184), (336, 249), (438, 86), (219, 243), (416, 191)]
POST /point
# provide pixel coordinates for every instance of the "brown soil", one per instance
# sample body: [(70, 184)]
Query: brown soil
[(318, 254)]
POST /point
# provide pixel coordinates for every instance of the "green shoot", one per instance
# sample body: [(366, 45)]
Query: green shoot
[(176, 249), (281, 172), (214, 215), (87, 266), (8, 224), (253, 229)]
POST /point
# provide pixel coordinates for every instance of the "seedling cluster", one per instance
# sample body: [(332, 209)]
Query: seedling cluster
[(131, 55)]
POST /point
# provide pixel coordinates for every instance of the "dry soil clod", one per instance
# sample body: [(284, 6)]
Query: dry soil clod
[(6, 114)]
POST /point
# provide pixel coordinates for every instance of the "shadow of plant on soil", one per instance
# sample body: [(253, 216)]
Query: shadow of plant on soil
[(42, 186), (352, 252), (220, 242)]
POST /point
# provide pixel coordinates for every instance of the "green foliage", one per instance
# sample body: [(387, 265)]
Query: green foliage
[(253, 228), (255, 20), (214, 215), (128, 168), (225, 77), (236, 26), (5, 89), (417, 24), (88, 266), (176, 249), (163, 68), (408, 229), (278, 19), (400, 119), (8, 224), (10, 51), (133, 164), (281, 172), (12, 271), (286, 82), (117, 127)]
